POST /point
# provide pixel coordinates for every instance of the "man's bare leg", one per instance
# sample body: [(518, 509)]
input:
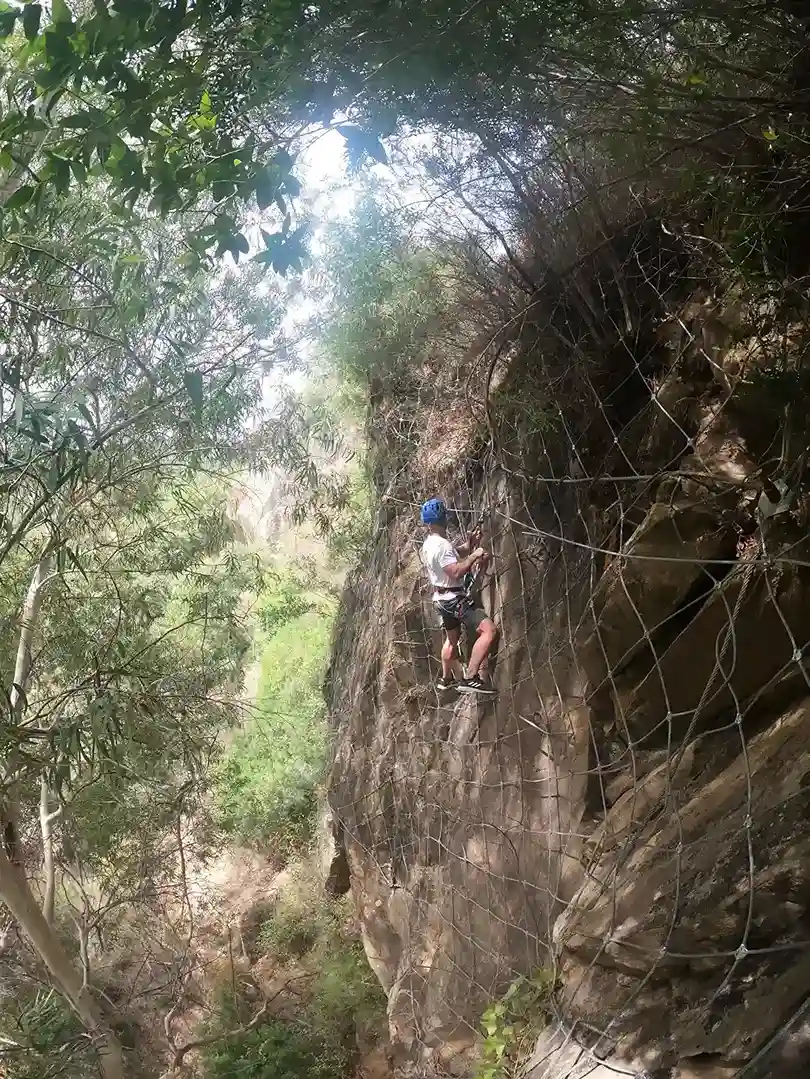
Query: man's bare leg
[(449, 652), (480, 650)]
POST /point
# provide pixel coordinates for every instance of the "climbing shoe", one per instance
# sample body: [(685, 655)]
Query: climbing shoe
[(475, 685), (445, 684)]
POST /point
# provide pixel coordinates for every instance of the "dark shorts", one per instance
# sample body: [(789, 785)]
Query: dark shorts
[(455, 613)]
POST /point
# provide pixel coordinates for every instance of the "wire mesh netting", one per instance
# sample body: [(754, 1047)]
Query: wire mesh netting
[(614, 851)]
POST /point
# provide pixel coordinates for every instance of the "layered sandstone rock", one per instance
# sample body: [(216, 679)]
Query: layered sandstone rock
[(633, 810)]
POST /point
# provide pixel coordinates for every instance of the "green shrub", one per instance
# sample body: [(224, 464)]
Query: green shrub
[(307, 931), (48, 1040), (303, 916), (266, 782), (344, 1008), (277, 1049), (512, 1024), (288, 935), (388, 295), (352, 529), (347, 986), (283, 599)]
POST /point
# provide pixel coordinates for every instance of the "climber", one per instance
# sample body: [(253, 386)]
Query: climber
[(447, 567)]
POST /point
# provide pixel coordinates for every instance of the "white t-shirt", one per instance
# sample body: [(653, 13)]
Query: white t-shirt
[(438, 552)]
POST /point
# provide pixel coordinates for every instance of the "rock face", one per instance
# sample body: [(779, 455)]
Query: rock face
[(633, 810), (333, 857)]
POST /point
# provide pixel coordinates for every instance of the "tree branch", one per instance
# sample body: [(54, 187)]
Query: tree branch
[(211, 1039), (46, 821), (16, 894), (28, 621)]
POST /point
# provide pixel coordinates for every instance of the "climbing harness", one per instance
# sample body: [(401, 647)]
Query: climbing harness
[(457, 605)]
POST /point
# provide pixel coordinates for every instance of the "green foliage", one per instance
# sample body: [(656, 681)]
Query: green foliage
[(387, 295), (302, 915), (125, 386), (202, 106), (266, 783), (511, 1025), (289, 934), (522, 415), (346, 989), (283, 598), (129, 103), (144, 630), (43, 1039), (274, 1050), (382, 340), (352, 526), (344, 1005), (309, 928)]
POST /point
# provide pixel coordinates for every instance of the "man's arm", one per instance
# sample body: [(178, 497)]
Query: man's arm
[(469, 545), (456, 570)]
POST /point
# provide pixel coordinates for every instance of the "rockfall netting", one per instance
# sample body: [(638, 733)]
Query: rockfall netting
[(620, 840)]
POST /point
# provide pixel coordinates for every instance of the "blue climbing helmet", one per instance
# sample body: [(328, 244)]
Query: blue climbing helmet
[(434, 512)]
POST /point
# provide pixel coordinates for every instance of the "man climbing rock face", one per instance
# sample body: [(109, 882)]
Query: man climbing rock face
[(446, 567)]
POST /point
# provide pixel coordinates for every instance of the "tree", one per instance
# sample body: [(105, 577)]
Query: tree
[(386, 331), (140, 644), (118, 386), (140, 96), (178, 103)]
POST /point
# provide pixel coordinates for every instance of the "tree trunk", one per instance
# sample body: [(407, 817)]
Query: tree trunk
[(28, 620), (19, 899), (46, 818), (14, 890)]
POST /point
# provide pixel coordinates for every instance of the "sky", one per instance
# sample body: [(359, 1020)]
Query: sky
[(329, 192)]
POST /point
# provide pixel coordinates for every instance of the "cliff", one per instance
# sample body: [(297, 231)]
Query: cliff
[(632, 812)]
